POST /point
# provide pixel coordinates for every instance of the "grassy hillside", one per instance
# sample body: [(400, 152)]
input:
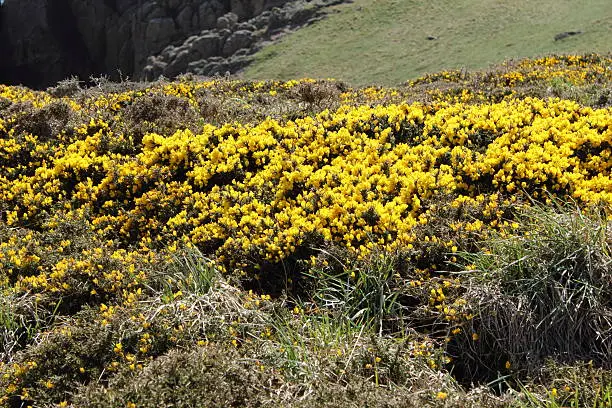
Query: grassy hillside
[(446, 243), (385, 41)]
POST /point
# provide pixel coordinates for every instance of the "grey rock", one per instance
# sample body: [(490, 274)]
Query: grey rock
[(246, 26), (209, 68), (224, 33), (239, 39), (196, 65), (189, 41), (566, 34), (261, 21), (241, 52), (154, 70), (178, 65), (206, 45), (227, 21), (301, 16), (44, 41), (230, 47), (169, 52), (216, 68), (276, 19)]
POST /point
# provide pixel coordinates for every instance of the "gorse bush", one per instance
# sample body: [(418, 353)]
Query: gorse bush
[(304, 243)]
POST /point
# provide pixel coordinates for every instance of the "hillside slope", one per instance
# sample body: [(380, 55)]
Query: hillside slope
[(386, 41)]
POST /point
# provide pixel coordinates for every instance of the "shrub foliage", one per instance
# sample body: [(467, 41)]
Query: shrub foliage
[(289, 243)]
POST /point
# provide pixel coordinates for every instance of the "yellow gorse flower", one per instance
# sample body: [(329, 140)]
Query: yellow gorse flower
[(361, 176), (365, 176)]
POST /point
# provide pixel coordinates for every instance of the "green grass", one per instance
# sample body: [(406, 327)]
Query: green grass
[(541, 293), (385, 41)]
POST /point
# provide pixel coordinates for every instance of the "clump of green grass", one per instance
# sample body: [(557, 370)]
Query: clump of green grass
[(363, 292), (190, 272), (21, 321), (542, 293), (576, 385)]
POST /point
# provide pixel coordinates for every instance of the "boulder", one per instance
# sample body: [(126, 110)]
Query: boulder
[(227, 21), (566, 34), (261, 21), (206, 45), (154, 70), (246, 26), (238, 40), (178, 65), (197, 66), (169, 53)]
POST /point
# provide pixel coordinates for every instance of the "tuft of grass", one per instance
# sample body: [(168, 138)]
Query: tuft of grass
[(21, 322), (189, 272), (578, 385), (543, 293), (366, 292)]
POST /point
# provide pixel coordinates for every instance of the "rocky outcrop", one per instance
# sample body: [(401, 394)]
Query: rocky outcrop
[(46, 41), (228, 47)]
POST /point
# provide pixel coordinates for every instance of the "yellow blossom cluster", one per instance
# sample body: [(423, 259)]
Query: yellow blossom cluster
[(576, 69), (93, 211), (361, 177), (21, 94)]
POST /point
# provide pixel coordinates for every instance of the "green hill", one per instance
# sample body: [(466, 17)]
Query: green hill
[(386, 41)]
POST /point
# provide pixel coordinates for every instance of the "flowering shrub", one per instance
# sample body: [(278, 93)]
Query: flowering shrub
[(359, 177), (93, 208)]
